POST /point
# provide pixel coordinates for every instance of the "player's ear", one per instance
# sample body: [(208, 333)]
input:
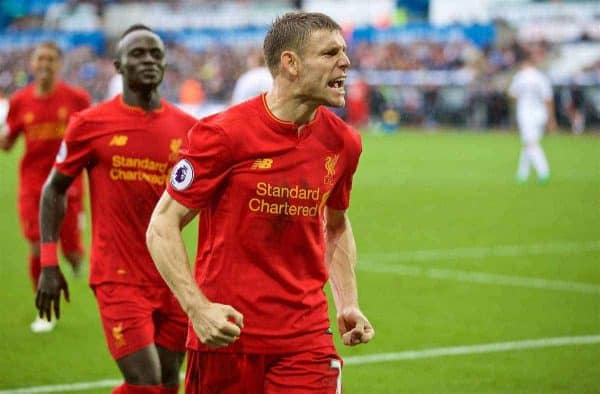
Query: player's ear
[(117, 57), (117, 64), (290, 63)]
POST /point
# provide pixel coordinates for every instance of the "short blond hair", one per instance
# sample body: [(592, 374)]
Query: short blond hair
[(291, 31)]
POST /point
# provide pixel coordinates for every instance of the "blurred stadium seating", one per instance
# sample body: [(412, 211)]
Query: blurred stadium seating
[(412, 55)]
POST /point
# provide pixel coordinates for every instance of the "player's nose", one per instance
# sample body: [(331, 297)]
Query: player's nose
[(344, 61)]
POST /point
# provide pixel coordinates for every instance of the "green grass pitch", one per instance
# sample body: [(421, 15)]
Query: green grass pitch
[(453, 253)]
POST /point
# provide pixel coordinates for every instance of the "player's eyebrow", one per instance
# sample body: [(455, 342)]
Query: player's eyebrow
[(333, 48)]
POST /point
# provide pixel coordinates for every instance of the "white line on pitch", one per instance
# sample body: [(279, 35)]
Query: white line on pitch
[(81, 386), (366, 359), (479, 277), (474, 349), (550, 248)]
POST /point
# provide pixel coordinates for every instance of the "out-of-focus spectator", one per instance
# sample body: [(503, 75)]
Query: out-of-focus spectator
[(357, 103), (575, 107), (72, 15), (191, 96), (254, 81), (115, 86), (191, 92), (377, 104)]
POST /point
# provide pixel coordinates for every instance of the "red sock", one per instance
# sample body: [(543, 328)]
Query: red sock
[(127, 388), (169, 389), (34, 270)]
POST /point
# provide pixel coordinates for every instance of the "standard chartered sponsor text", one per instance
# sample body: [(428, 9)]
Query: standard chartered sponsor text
[(136, 169), (263, 189), (46, 131), (135, 162)]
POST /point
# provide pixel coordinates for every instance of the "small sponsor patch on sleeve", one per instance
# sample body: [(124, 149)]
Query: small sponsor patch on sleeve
[(182, 175), (62, 152)]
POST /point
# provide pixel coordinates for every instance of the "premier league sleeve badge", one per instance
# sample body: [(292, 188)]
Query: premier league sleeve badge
[(182, 175)]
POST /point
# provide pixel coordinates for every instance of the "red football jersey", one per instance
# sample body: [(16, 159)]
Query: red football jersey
[(262, 189), (43, 120), (128, 154)]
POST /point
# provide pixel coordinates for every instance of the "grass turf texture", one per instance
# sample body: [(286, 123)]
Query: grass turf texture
[(414, 191)]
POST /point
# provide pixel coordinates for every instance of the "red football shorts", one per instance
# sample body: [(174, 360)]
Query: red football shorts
[(70, 230), (134, 317), (314, 371)]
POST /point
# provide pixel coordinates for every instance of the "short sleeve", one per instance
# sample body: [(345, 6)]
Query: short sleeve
[(340, 194), (204, 166), (75, 152)]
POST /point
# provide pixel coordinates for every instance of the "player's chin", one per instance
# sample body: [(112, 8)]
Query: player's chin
[(337, 102), (44, 74), (151, 80), (149, 83)]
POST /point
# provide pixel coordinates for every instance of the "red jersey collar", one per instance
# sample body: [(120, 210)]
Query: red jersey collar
[(138, 110), (284, 126), (58, 85)]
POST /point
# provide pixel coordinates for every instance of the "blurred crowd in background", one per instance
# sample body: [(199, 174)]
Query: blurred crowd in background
[(416, 79)]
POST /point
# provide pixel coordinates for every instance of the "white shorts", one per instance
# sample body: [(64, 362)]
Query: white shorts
[(531, 132), (531, 126)]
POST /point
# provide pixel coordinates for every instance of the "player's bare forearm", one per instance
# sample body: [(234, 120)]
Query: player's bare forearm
[(53, 204), (51, 282), (167, 249), (216, 324), (340, 257)]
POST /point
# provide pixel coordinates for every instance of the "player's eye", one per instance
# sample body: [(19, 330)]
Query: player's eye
[(157, 54)]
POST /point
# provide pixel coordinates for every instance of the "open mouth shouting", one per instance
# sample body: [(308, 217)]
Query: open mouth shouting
[(337, 84)]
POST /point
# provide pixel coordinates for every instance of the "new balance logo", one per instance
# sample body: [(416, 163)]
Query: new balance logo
[(262, 164), (118, 140)]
